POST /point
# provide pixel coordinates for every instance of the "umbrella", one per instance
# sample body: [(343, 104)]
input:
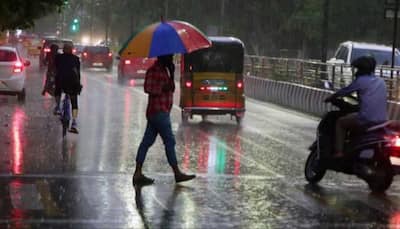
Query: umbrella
[(165, 37)]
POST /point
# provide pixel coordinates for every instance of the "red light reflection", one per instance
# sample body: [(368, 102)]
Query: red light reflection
[(17, 130), (211, 145), (238, 155), (202, 162), (394, 221), (127, 106), (186, 153), (17, 215)]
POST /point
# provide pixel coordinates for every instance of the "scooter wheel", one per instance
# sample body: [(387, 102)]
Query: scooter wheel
[(381, 182), (313, 170)]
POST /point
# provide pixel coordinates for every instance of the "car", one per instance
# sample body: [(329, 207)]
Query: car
[(97, 57), (133, 68), (78, 48), (351, 50), (12, 72), (45, 48)]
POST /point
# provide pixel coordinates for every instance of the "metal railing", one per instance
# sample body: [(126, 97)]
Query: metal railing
[(314, 73)]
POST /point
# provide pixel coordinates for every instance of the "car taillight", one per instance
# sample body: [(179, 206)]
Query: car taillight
[(127, 62), (47, 50), (396, 141), (85, 54), (239, 84), (73, 50), (188, 84), (109, 54), (18, 67)]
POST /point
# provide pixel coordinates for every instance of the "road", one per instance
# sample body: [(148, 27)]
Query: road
[(247, 177)]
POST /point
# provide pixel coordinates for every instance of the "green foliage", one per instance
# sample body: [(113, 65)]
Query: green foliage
[(22, 13), (267, 27)]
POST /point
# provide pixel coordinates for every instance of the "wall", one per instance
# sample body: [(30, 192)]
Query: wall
[(298, 97)]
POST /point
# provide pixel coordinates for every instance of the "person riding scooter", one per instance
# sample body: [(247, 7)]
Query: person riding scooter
[(371, 93)]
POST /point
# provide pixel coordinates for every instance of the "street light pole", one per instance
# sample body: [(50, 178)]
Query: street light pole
[(396, 9), (91, 21), (108, 20), (325, 30), (166, 10)]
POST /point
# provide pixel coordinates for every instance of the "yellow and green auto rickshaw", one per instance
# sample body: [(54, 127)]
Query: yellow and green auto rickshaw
[(212, 80)]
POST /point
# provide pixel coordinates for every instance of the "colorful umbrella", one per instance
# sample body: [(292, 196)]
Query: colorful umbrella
[(165, 37)]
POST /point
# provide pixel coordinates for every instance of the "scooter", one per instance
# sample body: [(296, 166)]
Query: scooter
[(372, 154)]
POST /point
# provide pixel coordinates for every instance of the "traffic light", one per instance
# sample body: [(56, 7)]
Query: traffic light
[(75, 25)]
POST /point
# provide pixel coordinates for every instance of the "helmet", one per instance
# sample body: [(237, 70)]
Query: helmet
[(365, 65)]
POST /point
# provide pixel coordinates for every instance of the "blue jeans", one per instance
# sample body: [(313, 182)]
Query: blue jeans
[(159, 123)]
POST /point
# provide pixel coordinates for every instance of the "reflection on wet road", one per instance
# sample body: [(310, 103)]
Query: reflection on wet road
[(248, 177)]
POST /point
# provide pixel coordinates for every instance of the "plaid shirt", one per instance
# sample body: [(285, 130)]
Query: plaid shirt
[(159, 101)]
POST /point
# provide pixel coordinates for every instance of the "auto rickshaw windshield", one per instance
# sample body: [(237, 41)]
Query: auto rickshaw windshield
[(219, 58)]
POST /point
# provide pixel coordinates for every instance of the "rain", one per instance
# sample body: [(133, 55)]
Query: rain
[(234, 90)]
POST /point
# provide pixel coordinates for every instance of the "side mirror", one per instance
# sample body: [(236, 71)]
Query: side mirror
[(328, 85), (39, 47), (27, 63), (117, 57)]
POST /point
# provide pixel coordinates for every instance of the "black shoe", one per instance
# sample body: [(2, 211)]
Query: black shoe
[(74, 128), (142, 180), (183, 177)]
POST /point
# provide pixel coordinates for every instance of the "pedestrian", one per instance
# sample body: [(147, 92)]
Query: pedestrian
[(68, 80), (49, 85), (159, 85)]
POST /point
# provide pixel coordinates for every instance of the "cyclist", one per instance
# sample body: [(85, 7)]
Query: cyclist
[(51, 71), (68, 81)]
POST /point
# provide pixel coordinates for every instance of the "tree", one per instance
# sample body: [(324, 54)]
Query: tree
[(22, 13), (266, 27)]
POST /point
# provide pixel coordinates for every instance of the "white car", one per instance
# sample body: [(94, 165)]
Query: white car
[(12, 72), (350, 50)]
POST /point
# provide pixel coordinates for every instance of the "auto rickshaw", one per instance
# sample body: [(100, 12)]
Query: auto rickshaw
[(212, 80)]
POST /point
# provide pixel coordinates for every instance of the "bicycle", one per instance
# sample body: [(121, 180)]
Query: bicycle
[(65, 114)]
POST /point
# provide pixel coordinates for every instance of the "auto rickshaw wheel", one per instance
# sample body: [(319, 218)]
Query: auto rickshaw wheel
[(239, 120), (185, 117)]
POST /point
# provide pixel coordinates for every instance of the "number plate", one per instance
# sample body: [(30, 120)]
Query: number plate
[(214, 97)]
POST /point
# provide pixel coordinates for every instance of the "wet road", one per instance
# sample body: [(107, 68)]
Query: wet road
[(248, 177)]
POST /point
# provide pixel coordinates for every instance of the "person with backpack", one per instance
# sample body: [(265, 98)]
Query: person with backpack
[(68, 80)]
